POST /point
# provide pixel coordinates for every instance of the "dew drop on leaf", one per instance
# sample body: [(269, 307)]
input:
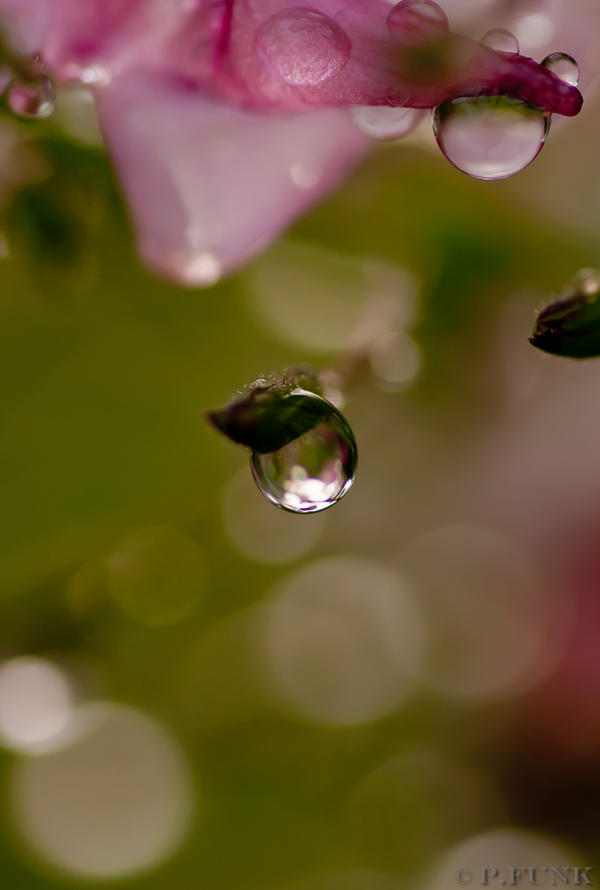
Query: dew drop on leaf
[(314, 470), (490, 137), (564, 66), (303, 46), (31, 99), (501, 40)]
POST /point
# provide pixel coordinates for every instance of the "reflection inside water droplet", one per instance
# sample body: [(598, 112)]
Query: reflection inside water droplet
[(314, 470), (501, 40), (32, 99), (564, 66), (417, 21), (304, 46), (490, 137), (385, 122)]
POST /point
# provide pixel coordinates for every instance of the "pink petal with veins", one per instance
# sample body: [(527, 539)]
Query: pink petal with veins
[(209, 184)]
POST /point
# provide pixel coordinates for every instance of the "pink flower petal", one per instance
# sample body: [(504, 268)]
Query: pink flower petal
[(209, 184), (279, 54), (375, 69), (27, 22)]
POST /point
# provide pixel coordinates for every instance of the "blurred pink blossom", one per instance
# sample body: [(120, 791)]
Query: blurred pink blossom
[(227, 118)]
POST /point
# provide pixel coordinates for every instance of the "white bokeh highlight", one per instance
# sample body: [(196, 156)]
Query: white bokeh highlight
[(490, 612), (342, 642), (36, 704), (117, 801)]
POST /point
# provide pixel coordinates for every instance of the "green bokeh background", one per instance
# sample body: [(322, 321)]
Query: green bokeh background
[(106, 373)]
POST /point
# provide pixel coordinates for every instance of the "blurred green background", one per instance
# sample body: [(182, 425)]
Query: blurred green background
[(332, 701)]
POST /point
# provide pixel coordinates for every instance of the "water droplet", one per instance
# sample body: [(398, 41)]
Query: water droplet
[(314, 470), (564, 66), (385, 122), (32, 99), (417, 21), (490, 137), (201, 269), (304, 46), (501, 40)]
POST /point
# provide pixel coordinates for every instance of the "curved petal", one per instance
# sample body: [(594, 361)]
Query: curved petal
[(347, 53), (380, 69), (209, 184)]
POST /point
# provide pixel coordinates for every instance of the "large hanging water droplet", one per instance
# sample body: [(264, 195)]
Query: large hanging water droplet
[(314, 470), (32, 98), (385, 122), (417, 21), (490, 137), (501, 40), (564, 66), (304, 46)]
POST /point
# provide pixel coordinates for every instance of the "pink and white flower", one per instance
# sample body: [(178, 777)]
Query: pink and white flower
[(227, 118)]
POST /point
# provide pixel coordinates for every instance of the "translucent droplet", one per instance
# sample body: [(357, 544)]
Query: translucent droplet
[(490, 137), (385, 122), (417, 21), (304, 46), (564, 66), (32, 99), (502, 40), (314, 470)]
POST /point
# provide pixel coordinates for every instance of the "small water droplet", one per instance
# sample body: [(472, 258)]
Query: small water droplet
[(314, 470), (304, 46), (490, 137), (417, 21), (201, 268), (501, 40), (32, 99), (564, 66), (385, 122)]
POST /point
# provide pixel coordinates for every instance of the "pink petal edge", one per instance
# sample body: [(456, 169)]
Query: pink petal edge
[(209, 184)]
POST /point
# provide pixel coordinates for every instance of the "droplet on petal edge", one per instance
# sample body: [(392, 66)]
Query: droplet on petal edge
[(501, 40), (303, 46), (385, 122), (314, 470), (564, 66), (490, 137), (570, 326), (417, 21), (31, 99)]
